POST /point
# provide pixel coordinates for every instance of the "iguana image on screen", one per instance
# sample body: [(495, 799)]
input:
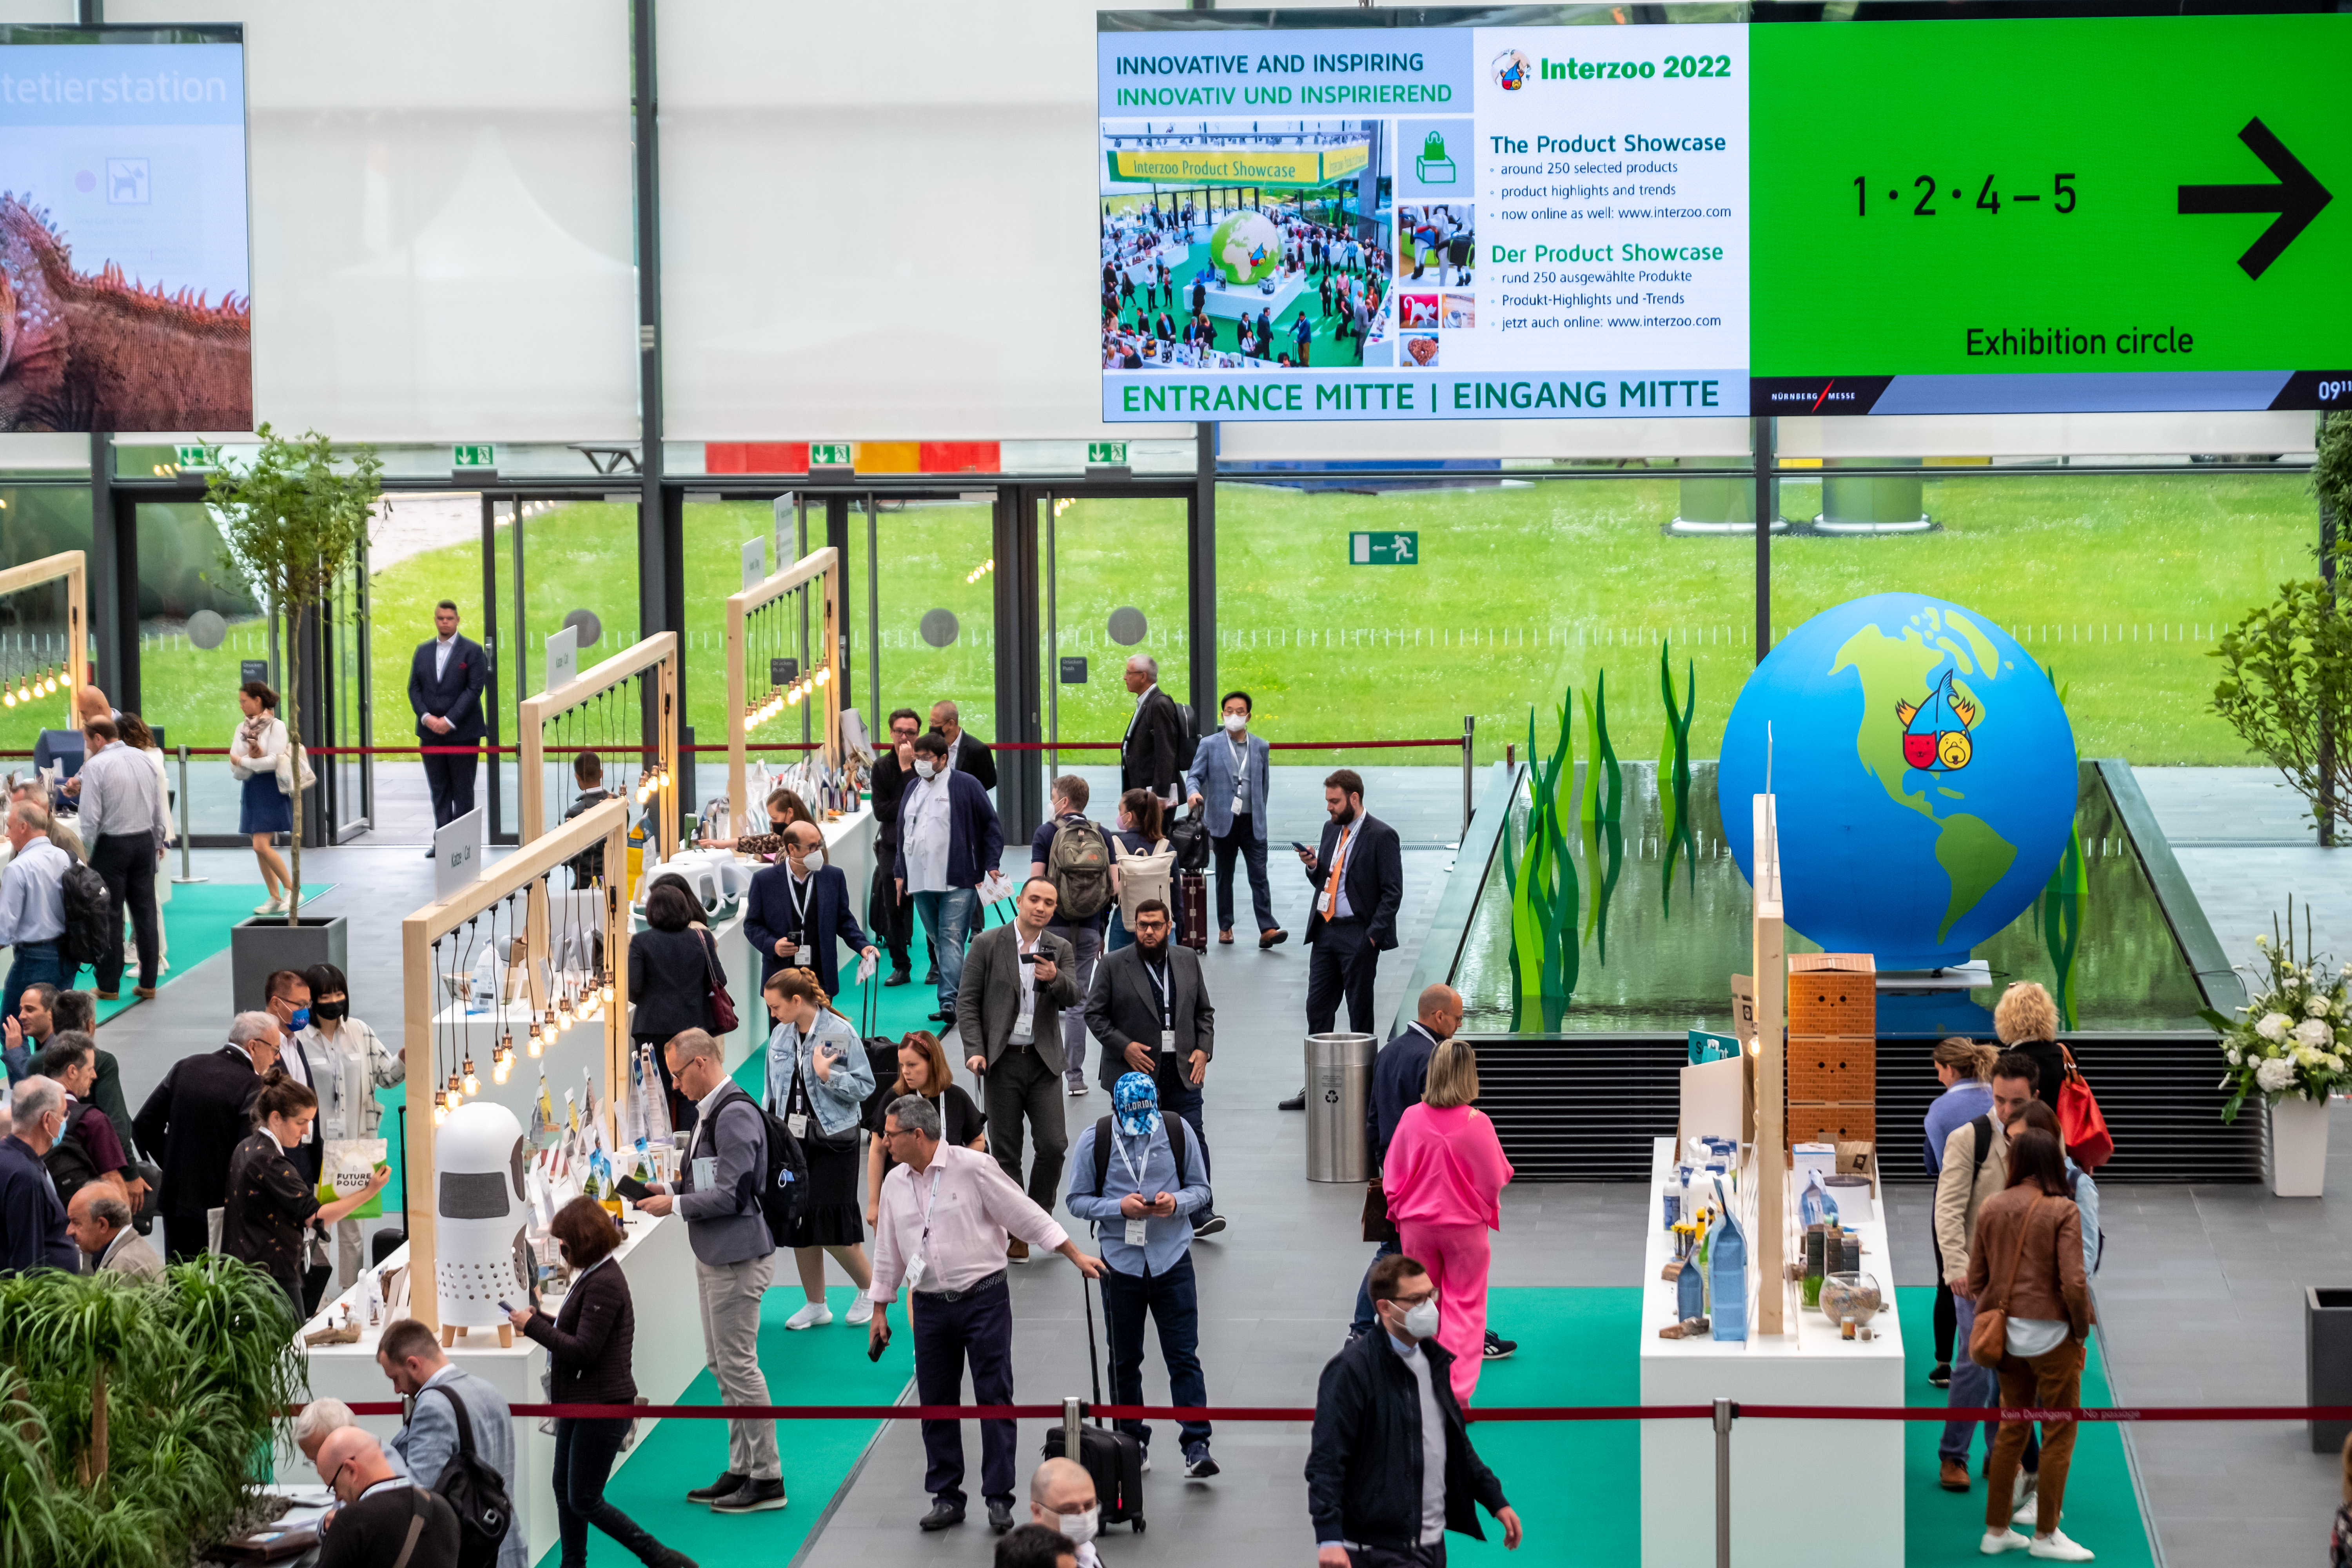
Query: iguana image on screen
[(84, 351)]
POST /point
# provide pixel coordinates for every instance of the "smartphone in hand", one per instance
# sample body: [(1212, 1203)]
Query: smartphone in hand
[(1300, 847)]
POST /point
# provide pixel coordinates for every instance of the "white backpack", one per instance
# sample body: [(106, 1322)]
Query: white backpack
[(1142, 878)]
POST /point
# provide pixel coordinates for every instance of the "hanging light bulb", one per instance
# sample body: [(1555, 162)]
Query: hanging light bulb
[(24, 690), (440, 1114), (7, 700), (536, 1044), (473, 1084), (504, 1050), (454, 1095), (824, 673), (498, 1071), (608, 988)]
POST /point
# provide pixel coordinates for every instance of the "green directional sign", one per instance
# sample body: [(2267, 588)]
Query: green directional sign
[(1106, 454), (829, 455), (197, 459), (1384, 549), (474, 455), (2079, 198)]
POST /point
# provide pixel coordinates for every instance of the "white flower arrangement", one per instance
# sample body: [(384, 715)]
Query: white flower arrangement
[(2283, 1045)]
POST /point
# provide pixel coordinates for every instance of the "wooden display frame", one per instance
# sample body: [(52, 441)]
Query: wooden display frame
[(822, 563), (73, 565), (1770, 970), (659, 652), (606, 822)]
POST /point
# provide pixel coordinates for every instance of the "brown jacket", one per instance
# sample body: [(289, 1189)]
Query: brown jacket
[(2049, 1283)]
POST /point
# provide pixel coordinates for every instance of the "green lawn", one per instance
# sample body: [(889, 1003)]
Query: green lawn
[(2120, 583)]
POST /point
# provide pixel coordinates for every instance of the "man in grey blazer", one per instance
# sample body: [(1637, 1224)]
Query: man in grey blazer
[(1150, 1009), (1229, 778), (410, 1354), (1017, 978)]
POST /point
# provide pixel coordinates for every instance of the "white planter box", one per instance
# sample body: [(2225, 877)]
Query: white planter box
[(2298, 1162)]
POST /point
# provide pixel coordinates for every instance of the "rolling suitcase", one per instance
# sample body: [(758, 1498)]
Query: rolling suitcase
[(1114, 1458), (1192, 904)]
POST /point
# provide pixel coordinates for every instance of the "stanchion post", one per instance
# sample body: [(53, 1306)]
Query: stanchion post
[(1469, 732), (1723, 1411), (1073, 1408), (183, 877)]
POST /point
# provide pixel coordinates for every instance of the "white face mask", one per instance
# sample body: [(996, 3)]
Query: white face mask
[(925, 767), (813, 861), (1421, 1321), (1080, 1526), (1236, 722)]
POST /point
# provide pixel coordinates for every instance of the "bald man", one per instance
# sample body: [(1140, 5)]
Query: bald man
[(1399, 1073), (376, 1506), (1062, 1499)]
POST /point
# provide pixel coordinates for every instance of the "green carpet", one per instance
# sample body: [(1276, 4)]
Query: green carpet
[(196, 925), (1578, 1347)]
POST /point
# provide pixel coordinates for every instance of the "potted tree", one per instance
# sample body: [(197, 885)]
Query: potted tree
[(291, 522)]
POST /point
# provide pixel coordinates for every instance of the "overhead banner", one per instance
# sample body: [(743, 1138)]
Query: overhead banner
[(1666, 220), (123, 247)]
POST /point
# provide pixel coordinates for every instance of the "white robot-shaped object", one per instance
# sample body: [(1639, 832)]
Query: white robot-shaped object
[(480, 1206)]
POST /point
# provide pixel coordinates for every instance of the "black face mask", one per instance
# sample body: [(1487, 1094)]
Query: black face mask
[(332, 1012)]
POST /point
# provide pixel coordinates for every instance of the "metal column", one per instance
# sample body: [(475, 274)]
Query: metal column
[(1019, 799), (1201, 581), (1764, 461)]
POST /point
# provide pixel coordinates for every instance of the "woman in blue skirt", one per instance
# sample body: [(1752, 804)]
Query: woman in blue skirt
[(265, 811)]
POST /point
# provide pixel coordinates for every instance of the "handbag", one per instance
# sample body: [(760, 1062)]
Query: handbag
[(722, 1006), (2080, 1121), (288, 760), (1988, 1335), (1378, 1225)]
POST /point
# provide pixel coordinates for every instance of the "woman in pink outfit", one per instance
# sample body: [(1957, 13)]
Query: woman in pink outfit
[(1443, 1175)]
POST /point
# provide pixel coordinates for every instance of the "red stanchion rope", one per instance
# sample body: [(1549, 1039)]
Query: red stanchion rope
[(1451, 743)]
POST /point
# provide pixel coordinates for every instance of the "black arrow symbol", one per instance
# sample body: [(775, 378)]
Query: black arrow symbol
[(2296, 198)]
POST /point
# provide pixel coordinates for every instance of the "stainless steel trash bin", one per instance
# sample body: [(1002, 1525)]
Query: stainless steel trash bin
[(1338, 1087)]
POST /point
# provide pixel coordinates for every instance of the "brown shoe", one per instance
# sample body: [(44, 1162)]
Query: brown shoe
[(109, 996), (1017, 1251), (144, 993), (1273, 938), (1225, 938), (1953, 1476)]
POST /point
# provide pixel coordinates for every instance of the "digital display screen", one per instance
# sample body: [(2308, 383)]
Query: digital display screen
[(1665, 221), (123, 239)]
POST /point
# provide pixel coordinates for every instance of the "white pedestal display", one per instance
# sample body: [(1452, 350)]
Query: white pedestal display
[(1776, 1466), (2298, 1162), (668, 1353)]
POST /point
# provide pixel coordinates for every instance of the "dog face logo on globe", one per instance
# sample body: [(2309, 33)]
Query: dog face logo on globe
[(1925, 776), (1245, 248)]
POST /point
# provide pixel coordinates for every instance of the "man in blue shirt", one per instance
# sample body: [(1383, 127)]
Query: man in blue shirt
[(32, 1220), (1139, 1176), (32, 904)]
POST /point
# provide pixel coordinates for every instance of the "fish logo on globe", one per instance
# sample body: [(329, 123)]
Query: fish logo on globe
[(1511, 70), (1936, 733)]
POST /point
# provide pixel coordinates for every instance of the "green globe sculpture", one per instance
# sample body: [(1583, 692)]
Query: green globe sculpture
[(1245, 249)]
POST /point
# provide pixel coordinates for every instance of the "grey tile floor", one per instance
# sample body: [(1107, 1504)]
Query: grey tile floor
[(2200, 1292)]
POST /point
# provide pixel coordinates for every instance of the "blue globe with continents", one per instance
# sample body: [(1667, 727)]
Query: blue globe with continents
[(1924, 772)]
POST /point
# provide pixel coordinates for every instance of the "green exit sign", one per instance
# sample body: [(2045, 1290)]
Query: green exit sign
[(829, 455), (1106, 454), (196, 458), (1384, 549), (479, 455)]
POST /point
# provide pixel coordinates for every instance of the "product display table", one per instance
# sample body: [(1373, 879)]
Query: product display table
[(1790, 1480), (660, 1269)]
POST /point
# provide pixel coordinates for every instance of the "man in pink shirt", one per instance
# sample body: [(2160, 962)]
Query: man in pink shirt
[(945, 1215)]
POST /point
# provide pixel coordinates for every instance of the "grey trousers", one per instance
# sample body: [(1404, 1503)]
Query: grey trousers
[(730, 1296)]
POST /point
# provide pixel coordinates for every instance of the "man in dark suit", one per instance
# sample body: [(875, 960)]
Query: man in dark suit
[(1008, 1011), (1150, 1009), (798, 909), (1358, 875), (448, 684), (1153, 751), (195, 1118), (887, 912), (965, 753)]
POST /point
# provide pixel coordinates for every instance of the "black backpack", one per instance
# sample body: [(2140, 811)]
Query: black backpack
[(474, 1491), (1983, 1128), (70, 1167), (88, 916), (1176, 1139), (783, 1186), (1190, 834)]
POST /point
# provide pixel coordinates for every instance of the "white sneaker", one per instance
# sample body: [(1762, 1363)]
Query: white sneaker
[(815, 1315), (2029, 1499), (2056, 1548), (274, 907), (1997, 1541), (863, 1312)]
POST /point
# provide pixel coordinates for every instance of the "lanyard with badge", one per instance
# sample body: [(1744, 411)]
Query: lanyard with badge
[(915, 1264), (798, 1105), (1159, 979), (1327, 902), (1139, 1228), (800, 894)]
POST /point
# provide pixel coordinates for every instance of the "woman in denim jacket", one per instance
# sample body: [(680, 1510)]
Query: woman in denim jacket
[(818, 1079)]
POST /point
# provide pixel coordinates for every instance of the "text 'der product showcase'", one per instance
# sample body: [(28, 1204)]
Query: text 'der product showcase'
[(1448, 220)]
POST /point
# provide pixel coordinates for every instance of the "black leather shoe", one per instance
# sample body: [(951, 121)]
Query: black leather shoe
[(1296, 1102), (1000, 1515), (933, 978), (941, 1516), (898, 977), (727, 1481), (938, 1017)]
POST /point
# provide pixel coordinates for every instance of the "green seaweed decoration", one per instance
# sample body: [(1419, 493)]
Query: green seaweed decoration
[(1602, 759), (1544, 891), (1675, 777), (2062, 902)]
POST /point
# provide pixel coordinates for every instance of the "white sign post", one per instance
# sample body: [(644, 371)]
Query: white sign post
[(563, 658), (755, 563), (457, 853)]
